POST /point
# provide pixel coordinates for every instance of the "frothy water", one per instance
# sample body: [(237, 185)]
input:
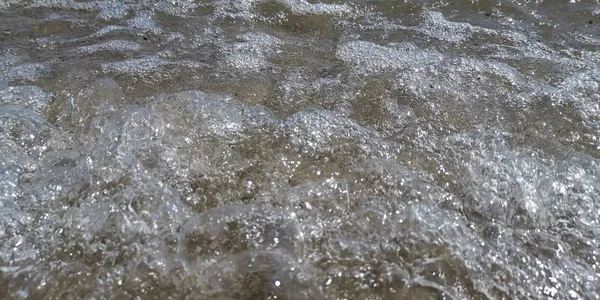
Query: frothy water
[(294, 149)]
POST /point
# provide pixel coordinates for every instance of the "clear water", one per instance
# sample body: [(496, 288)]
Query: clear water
[(298, 149)]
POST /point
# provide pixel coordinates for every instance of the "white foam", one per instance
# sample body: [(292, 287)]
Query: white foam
[(31, 97), (136, 66), (236, 9), (303, 7), (16, 69), (144, 20), (372, 58), (438, 27), (3, 82), (315, 130), (467, 80), (111, 10), (252, 50), (211, 114), (113, 46)]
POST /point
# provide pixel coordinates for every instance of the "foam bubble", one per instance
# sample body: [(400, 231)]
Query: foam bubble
[(370, 57), (454, 32), (27, 72), (115, 45), (31, 97), (303, 7), (3, 83), (136, 66), (251, 51)]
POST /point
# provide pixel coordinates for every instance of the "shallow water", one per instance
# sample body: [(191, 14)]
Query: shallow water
[(295, 149)]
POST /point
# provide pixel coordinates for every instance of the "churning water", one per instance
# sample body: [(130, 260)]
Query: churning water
[(299, 149)]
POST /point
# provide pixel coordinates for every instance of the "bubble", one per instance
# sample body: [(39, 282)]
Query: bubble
[(29, 131), (304, 7), (90, 108), (251, 52), (454, 32), (110, 46), (370, 57), (31, 97), (240, 228), (254, 275), (136, 66), (315, 130)]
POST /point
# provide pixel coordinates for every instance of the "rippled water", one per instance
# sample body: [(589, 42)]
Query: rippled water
[(297, 149)]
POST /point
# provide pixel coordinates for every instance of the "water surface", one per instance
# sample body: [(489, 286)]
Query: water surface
[(295, 149)]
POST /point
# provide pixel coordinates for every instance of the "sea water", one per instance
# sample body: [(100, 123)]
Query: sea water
[(299, 149)]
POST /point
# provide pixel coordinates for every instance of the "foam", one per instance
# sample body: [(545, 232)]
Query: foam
[(16, 70), (370, 57), (251, 51), (112, 46), (136, 66), (303, 7), (31, 97)]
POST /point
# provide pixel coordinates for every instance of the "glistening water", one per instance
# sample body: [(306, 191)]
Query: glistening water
[(299, 149)]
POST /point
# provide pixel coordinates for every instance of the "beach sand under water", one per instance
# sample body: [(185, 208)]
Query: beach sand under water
[(299, 149)]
